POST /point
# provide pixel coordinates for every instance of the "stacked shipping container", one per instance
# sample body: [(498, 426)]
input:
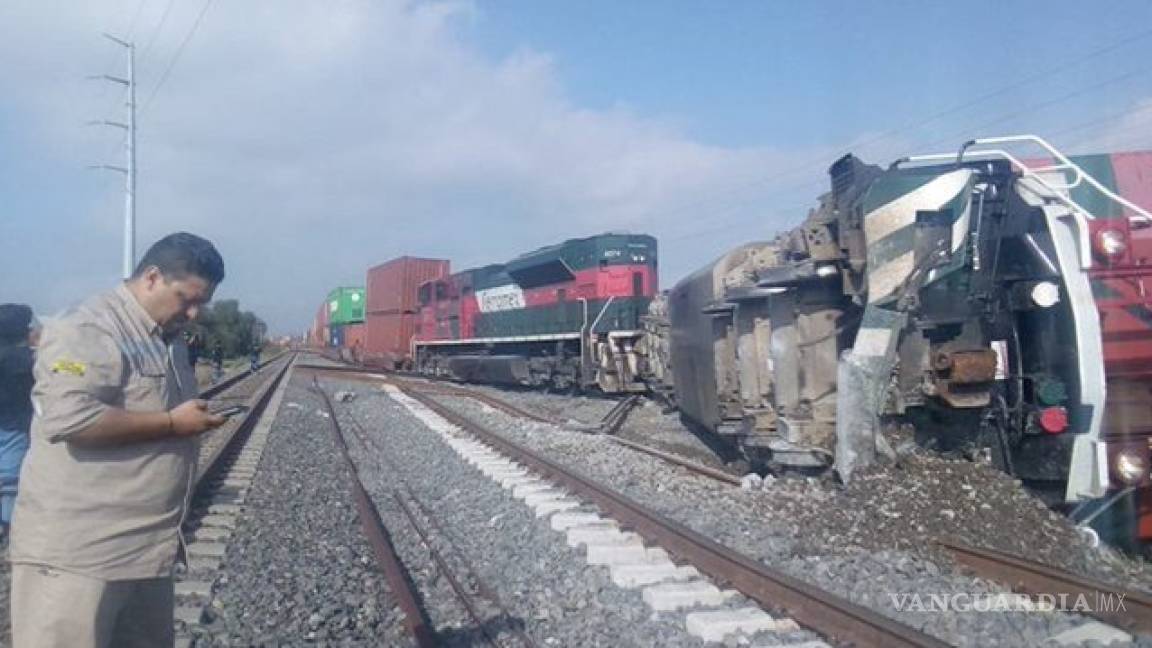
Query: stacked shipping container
[(346, 306), (320, 327), (392, 286), (392, 306), (348, 336)]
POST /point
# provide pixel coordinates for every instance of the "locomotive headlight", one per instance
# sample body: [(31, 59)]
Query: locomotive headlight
[(1130, 466), (1045, 294), (1111, 243)]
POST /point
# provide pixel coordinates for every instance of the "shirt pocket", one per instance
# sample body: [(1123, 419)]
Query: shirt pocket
[(148, 387)]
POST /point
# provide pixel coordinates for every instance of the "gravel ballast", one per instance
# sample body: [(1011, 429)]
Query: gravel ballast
[(542, 582), (869, 541), (298, 570)]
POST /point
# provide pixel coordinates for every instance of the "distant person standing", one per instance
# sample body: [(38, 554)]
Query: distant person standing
[(195, 348), (110, 471), (16, 359), (217, 362), (254, 356)]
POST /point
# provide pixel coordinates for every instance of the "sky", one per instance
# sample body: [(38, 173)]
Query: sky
[(311, 140)]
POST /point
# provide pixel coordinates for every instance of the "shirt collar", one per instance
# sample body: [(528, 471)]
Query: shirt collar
[(136, 311)]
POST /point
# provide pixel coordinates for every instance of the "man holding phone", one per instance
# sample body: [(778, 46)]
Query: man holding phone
[(113, 454)]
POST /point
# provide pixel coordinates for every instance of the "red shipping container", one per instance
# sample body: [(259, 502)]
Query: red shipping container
[(320, 326), (391, 287), (354, 336), (388, 338)]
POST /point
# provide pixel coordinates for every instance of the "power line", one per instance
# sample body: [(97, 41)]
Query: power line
[(892, 133), (1137, 123), (1038, 106), (963, 133), (158, 29), (176, 57), (171, 64)]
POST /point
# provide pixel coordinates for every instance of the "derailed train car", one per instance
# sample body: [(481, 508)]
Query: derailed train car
[(990, 302)]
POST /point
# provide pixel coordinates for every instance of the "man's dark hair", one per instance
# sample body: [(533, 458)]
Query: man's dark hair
[(181, 254)]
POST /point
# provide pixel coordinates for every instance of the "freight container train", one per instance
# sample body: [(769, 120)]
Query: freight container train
[(985, 300), (565, 317)]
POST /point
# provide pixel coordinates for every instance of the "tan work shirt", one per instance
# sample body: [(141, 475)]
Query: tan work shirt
[(110, 512)]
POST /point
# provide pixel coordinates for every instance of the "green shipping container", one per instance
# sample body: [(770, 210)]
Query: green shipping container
[(346, 306)]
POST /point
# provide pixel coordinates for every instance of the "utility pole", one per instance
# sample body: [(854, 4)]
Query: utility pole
[(129, 171)]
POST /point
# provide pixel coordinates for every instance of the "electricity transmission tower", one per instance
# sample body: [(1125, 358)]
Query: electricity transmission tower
[(129, 170)]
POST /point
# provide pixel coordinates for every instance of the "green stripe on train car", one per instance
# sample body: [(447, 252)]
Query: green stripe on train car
[(564, 317), (1099, 167), (590, 252)]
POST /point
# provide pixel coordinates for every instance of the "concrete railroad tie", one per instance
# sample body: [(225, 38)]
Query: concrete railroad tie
[(714, 625), (632, 564), (663, 597)]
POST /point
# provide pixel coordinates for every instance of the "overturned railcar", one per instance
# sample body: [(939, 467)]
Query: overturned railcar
[(988, 301)]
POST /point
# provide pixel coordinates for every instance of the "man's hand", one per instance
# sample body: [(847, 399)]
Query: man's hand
[(192, 418)]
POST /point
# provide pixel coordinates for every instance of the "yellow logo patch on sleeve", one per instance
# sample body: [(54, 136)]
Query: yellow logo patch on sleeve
[(69, 367)]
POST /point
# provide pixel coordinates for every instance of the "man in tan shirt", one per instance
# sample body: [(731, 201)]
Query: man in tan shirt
[(107, 479)]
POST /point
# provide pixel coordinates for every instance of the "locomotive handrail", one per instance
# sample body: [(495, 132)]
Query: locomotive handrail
[(1058, 190), (1079, 213), (1064, 163)]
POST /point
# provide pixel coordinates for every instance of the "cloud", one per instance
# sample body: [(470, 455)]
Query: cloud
[(311, 140), (1128, 130)]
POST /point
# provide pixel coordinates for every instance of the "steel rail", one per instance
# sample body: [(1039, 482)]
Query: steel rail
[(452, 390), (480, 586), (207, 468), (615, 418), (692, 466), (399, 581), (1134, 615), (487, 399), (465, 597), (823, 612), (508, 408), (215, 390)]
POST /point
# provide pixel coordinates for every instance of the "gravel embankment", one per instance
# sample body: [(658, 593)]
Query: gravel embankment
[(647, 423), (298, 570), (906, 505), (543, 584), (868, 541)]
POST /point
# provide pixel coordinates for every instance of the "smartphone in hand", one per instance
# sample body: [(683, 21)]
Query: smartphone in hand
[(228, 412)]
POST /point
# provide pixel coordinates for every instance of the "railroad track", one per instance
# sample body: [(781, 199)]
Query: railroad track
[(226, 467), (1128, 610), (397, 574), (824, 613), (610, 426), (234, 390), (834, 619), (380, 540)]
